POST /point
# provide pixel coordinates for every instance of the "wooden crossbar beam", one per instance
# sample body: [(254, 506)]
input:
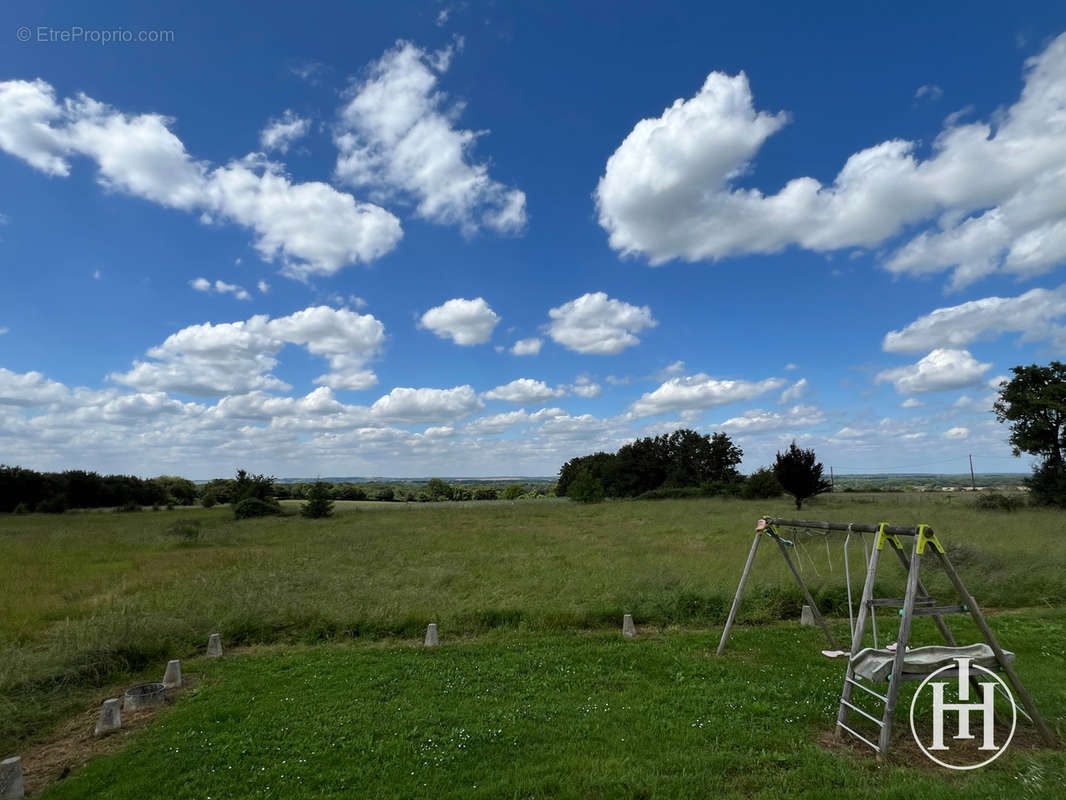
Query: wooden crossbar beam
[(844, 527)]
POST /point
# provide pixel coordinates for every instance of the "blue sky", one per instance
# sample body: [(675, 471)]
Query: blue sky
[(460, 239)]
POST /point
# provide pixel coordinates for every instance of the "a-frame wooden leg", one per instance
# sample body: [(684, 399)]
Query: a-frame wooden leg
[(1045, 733), (895, 680), (856, 640), (740, 590)]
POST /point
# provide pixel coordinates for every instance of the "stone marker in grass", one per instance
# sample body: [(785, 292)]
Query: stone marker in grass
[(214, 645), (629, 630), (432, 639), (11, 785), (110, 717), (172, 677), (806, 616)]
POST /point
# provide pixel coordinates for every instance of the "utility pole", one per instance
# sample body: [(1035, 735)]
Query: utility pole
[(973, 483)]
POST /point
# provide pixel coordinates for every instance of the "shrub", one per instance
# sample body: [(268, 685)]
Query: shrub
[(251, 507), (516, 490), (129, 506), (762, 484), (672, 493), (209, 499), (21, 508), (56, 504), (319, 504), (486, 493), (189, 530), (388, 494), (998, 502), (584, 488)]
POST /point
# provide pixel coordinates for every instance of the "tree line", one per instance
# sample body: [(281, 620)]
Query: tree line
[(685, 464), (27, 490)]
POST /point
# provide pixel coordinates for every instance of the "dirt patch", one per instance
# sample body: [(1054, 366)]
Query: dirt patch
[(904, 751), (75, 744)]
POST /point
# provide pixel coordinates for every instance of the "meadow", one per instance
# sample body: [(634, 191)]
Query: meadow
[(529, 596)]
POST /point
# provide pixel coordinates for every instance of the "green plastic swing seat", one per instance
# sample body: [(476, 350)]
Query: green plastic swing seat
[(876, 665)]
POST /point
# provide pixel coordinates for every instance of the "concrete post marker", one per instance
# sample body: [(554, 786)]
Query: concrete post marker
[(432, 639), (629, 630), (110, 717), (214, 645), (806, 616), (11, 785), (172, 677)]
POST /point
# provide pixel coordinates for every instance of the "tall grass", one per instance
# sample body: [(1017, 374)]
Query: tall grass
[(89, 598)]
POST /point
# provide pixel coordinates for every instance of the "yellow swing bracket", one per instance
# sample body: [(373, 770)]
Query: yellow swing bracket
[(882, 537), (926, 536)]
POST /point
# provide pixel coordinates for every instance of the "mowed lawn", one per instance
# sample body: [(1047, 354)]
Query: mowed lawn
[(93, 599)]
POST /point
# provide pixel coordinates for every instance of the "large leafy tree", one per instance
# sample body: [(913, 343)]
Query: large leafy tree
[(1034, 403), (800, 474)]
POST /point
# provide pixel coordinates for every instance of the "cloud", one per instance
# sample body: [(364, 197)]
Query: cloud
[(407, 405), (939, 371), (911, 402), (237, 357), (263, 286), (310, 228), (465, 322), (3, 331), (220, 287), (279, 133), (498, 423), (957, 433), (527, 347), (992, 196), (931, 92), (795, 391), (523, 390), (584, 386), (1032, 314), (596, 324), (700, 392), (29, 389), (396, 134), (757, 420)]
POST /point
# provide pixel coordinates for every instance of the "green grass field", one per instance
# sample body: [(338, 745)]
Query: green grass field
[(529, 598)]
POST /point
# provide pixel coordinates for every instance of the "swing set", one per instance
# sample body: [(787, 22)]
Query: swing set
[(895, 665)]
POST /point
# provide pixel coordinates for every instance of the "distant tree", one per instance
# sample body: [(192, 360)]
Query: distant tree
[(799, 474), (486, 493), (319, 502), (586, 488), (439, 490), (1034, 403), (208, 500), (246, 485), (514, 491), (599, 464), (388, 494), (182, 490)]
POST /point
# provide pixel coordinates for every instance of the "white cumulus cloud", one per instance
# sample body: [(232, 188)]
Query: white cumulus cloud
[(597, 324), (991, 195), (939, 371), (1032, 314), (212, 360), (527, 347), (220, 287), (310, 228), (700, 392), (524, 390), (406, 405), (279, 133), (465, 322), (396, 134)]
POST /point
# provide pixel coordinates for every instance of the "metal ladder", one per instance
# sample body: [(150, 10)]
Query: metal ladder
[(915, 602)]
